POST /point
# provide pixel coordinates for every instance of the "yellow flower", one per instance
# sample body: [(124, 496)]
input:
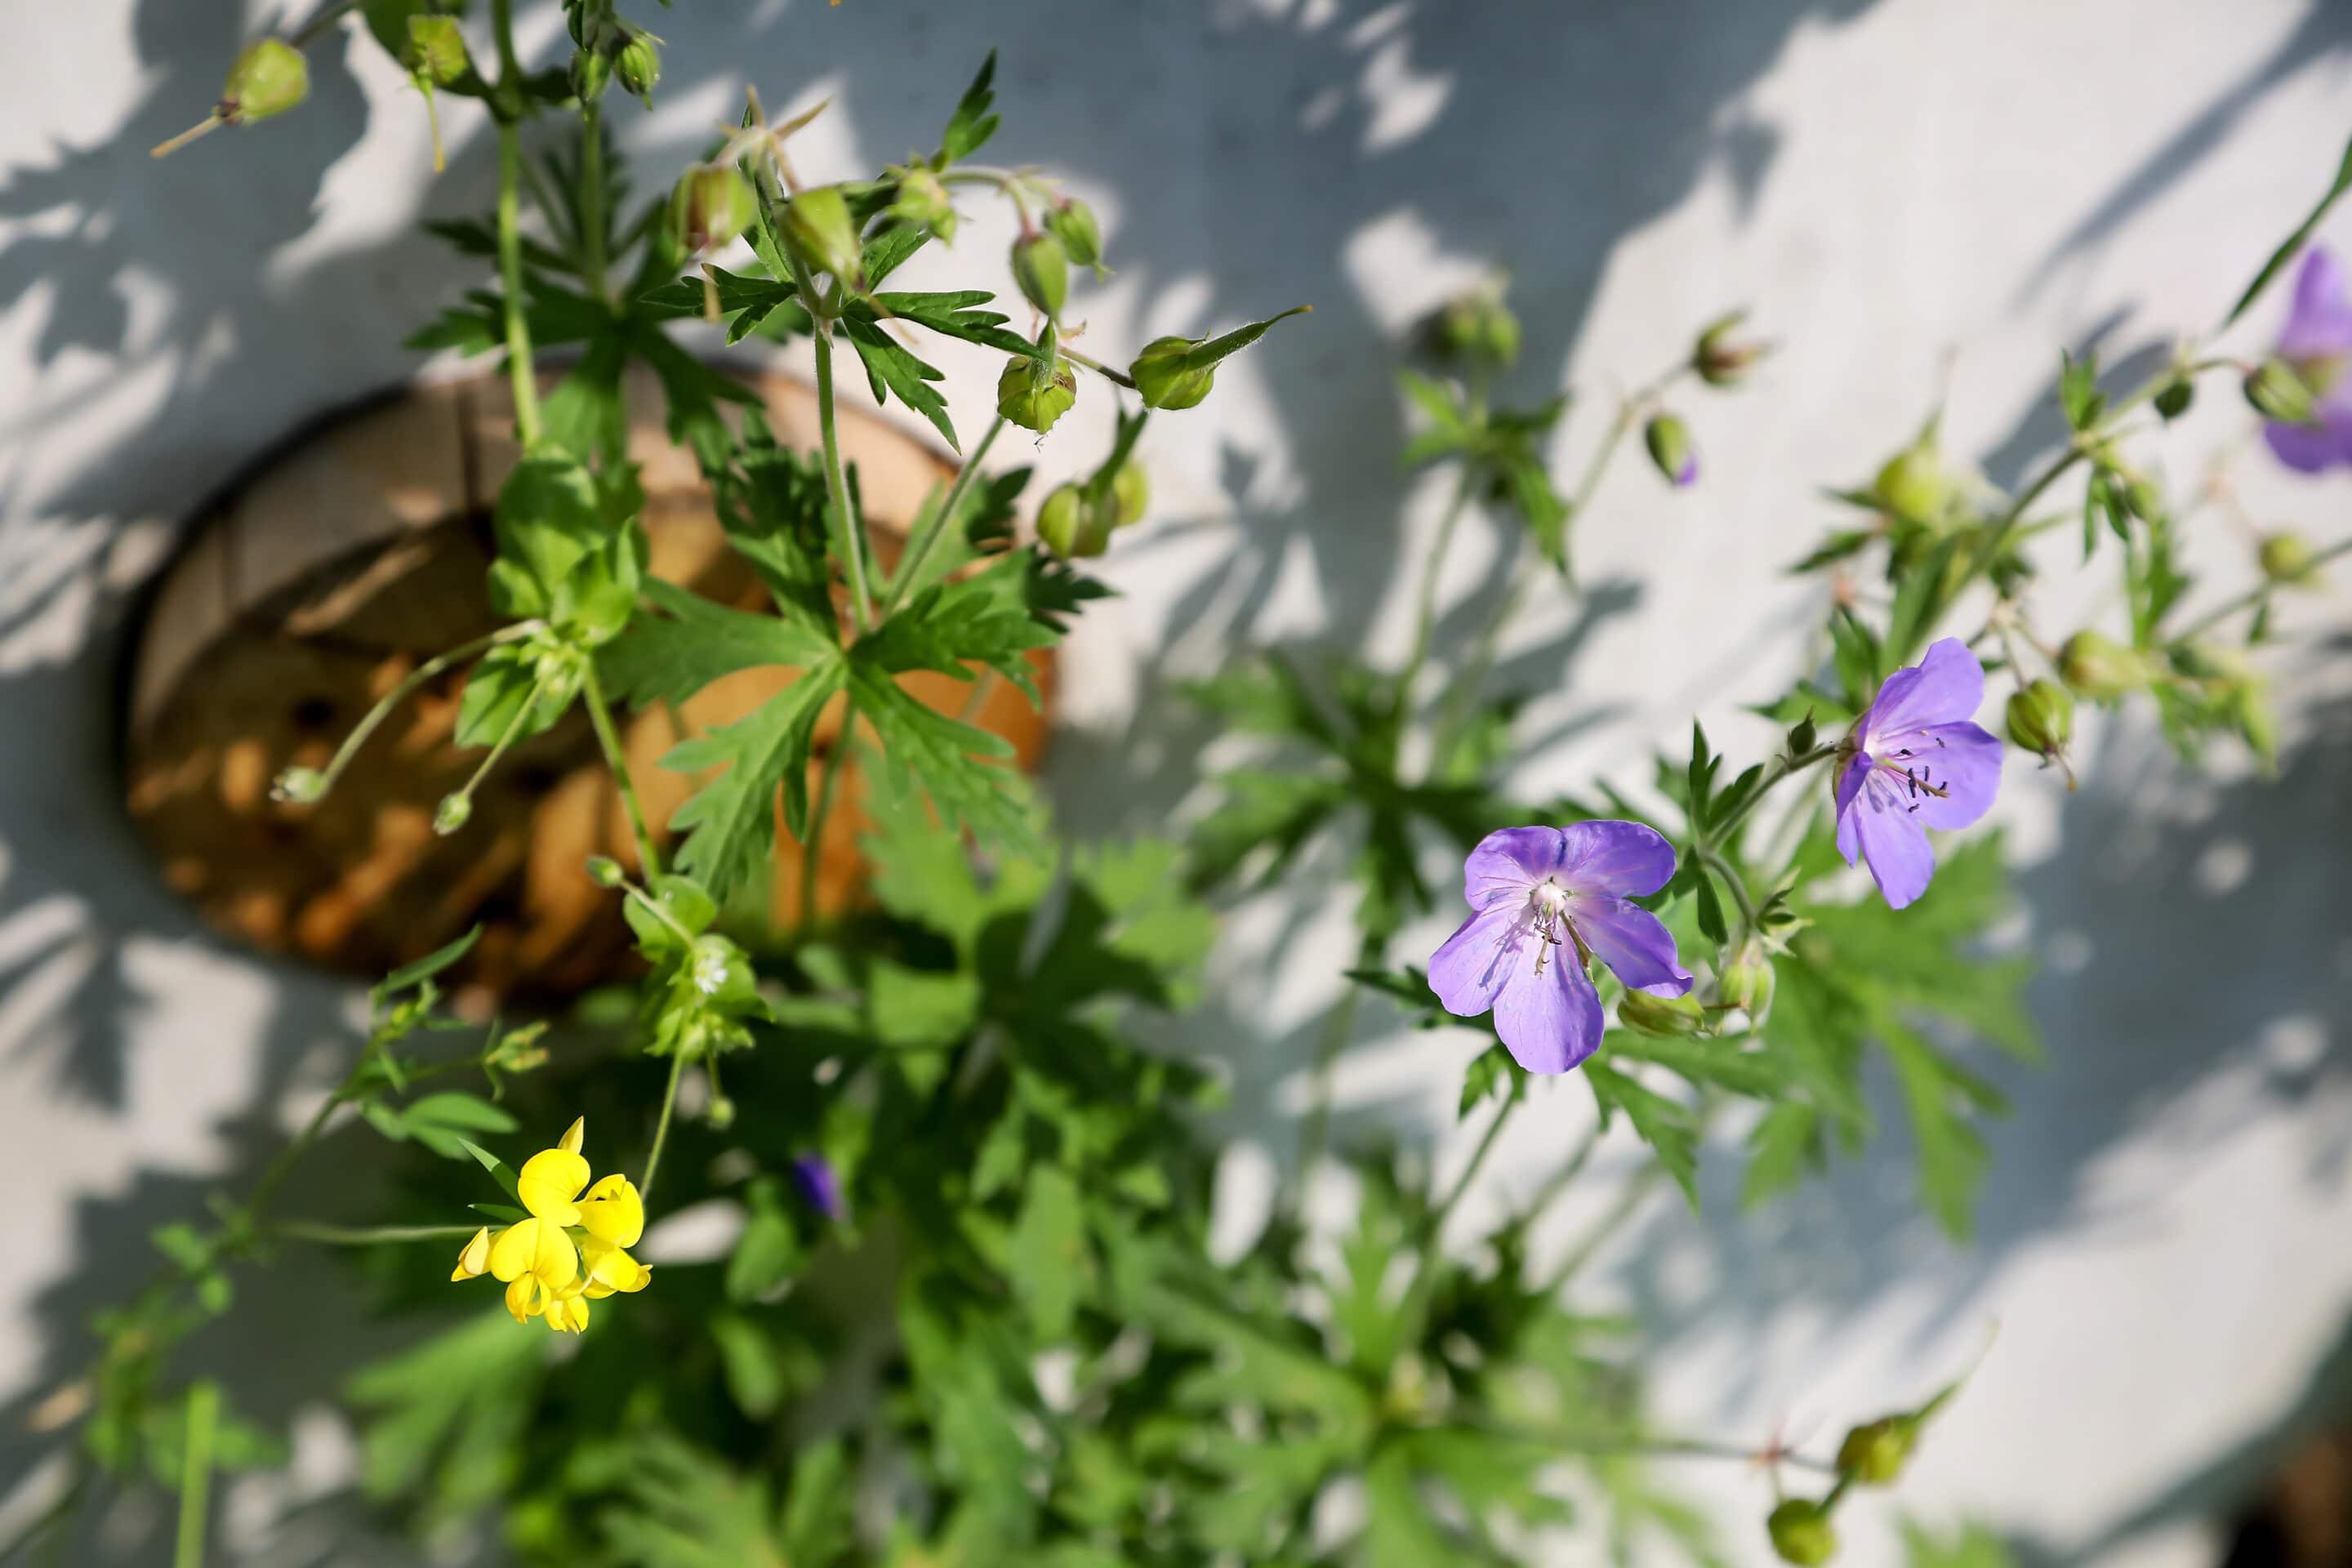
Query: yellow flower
[(572, 1249)]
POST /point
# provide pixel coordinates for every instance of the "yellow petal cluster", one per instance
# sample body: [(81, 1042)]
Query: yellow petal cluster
[(574, 1247)]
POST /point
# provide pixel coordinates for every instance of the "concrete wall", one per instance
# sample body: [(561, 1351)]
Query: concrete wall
[(1911, 193)]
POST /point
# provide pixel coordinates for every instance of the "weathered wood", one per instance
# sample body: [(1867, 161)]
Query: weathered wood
[(340, 567)]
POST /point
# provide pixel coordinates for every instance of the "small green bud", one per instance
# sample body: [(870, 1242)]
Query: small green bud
[(2142, 497), (455, 810), (1662, 1017), (436, 50), (1876, 1452), (591, 73), (721, 1113), (1130, 493), (298, 786), (1747, 981), (638, 66), (2278, 393), (1042, 267), (1802, 1534), (1479, 326), (1073, 223), (1804, 736), (1033, 393), (2041, 718), (1162, 377), (1668, 439), (2174, 400), (269, 77), (922, 199), (710, 206), (818, 229), (2100, 669), (1913, 483), (1719, 360), (606, 871), (1070, 527), (2287, 558)]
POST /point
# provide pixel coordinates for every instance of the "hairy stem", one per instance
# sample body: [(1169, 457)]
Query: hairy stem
[(2250, 597), (407, 687), (520, 370), (852, 548), (600, 715), (935, 527), (365, 1235), (592, 198), (196, 1473)]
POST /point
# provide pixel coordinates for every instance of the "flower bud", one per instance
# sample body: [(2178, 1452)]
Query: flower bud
[(436, 50), (719, 1113), (2287, 558), (453, 813), (1071, 527), (2098, 667), (298, 786), (1042, 267), (606, 871), (1130, 493), (818, 230), (1804, 736), (591, 73), (1660, 1018), (2141, 498), (922, 199), (2278, 393), (269, 77), (710, 206), (1747, 981), (638, 65), (1876, 1452), (1718, 360), (2041, 718), (1163, 379), (1802, 1534), (1033, 392), (1913, 484), (1073, 223), (2174, 400), (1479, 326), (1669, 441)]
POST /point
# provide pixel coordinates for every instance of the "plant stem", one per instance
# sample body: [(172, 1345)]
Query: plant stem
[(520, 370), (1117, 377), (935, 527), (305, 34), (648, 857), (2250, 597), (591, 197), (407, 687), (1424, 623), (828, 781), (1637, 1444), (1434, 1229), (852, 550), (661, 1128), (196, 1473), (365, 1235)]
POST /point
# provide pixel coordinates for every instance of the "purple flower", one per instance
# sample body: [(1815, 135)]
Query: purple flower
[(1915, 762), (1547, 902), (2317, 344), (819, 1188)]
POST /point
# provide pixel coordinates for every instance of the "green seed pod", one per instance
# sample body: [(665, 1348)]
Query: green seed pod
[(1042, 267), (1130, 493), (2100, 669), (1073, 223), (2041, 718), (1802, 1534), (1803, 735), (436, 50), (1876, 1452), (1072, 528), (922, 199), (1662, 1017), (638, 66), (2287, 558), (1164, 380), (269, 77), (1668, 439), (591, 73), (2174, 400), (606, 871), (818, 230), (1719, 360), (2142, 499), (710, 206), (1747, 981), (298, 786), (454, 811), (1479, 326), (1033, 394), (1913, 483), (2278, 393)]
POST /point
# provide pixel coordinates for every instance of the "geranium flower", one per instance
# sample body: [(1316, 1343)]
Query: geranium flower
[(1915, 762), (573, 1248), (819, 1185), (2317, 344), (1547, 902)]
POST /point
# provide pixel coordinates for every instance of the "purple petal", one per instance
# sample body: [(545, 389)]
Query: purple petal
[(1549, 1022), (1941, 689), (2319, 324), (1849, 816), (1964, 761), (1631, 942), (1688, 473), (820, 1188), (1621, 858), (1468, 972), (2309, 449), (1892, 842), (1510, 861)]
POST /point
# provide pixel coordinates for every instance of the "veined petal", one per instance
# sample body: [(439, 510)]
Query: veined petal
[(1892, 842), (1549, 1022), (573, 1136), (1624, 859), (1633, 942), (2306, 449), (475, 1260), (1964, 761), (549, 1185), (1508, 862), (1470, 971), (1849, 787), (1943, 688), (613, 1212)]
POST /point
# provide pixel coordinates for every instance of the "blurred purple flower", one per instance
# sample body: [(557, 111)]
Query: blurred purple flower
[(820, 1188), (1547, 901), (2317, 344), (1916, 760)]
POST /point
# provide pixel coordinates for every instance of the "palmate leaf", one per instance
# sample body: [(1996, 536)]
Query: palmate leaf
[(670, 657), (449, 1416), (960, 768), (891, 367), (731, 821)]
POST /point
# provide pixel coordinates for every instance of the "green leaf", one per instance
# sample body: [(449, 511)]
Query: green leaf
[(449, 1416), (497, 1167), (768, 1253), (2294, 242), (971, 124), (731, 820), (1667, 1127), (436, 1121), (2078, 390), (670, 657), (1784, 1145), (409, 975), (955, 315), (1972, 1546), (988, 617), (1049, 1257), (1492, 1073), (959, 767), (890, 367), (1215, 351)]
